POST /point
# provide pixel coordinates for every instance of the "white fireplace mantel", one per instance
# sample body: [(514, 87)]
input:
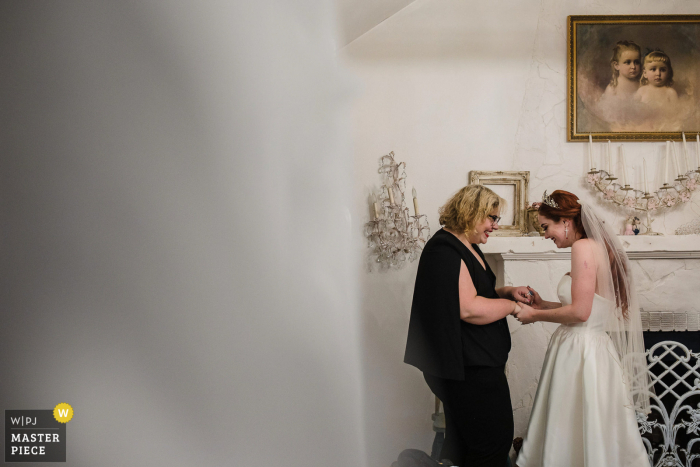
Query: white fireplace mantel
[(666, 268), (637, 247)]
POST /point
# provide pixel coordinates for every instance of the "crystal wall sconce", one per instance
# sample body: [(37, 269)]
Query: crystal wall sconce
[(394, 235)]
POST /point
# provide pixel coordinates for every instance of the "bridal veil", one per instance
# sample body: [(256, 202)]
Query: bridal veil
[(624, 323)]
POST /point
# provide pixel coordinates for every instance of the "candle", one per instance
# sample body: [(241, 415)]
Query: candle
[(685, 153), (415, 202), (675, 159), (590, 151), (698, 140), (391, 194), (376, 207), (646, 183), (666, 161), (624, 166), (609, 160)]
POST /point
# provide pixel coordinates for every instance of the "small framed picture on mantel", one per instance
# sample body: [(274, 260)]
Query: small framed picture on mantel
[(633, 77), (513, 187)]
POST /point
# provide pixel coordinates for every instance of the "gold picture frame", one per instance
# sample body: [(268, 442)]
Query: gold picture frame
[(609, 107), (517, 203)]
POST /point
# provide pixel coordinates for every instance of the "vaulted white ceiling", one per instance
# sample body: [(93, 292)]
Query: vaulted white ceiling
[(356, 17)]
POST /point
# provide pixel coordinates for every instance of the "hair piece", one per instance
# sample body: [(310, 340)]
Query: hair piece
[(548, 200), (468, 207), (570, 208), (620, 47), (657, 56)]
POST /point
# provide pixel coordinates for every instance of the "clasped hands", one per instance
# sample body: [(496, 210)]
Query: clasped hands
[(527, 300)]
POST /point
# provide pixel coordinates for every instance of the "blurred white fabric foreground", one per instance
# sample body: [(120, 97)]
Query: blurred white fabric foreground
[(175, 245)]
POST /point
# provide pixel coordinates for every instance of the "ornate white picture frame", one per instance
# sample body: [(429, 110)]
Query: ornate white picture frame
[(516, 185)]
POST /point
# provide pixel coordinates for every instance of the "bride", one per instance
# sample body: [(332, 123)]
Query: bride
[(594, 375)]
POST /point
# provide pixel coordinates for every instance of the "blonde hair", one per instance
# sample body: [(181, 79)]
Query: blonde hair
[(658, 56), (469, 206), (620, 47)]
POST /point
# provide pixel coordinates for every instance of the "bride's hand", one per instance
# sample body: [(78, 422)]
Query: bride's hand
[(526, 314), (516, 309), (536, 302)]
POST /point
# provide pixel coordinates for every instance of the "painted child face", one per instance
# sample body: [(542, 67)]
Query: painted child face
[(629, 65), (656, 73)]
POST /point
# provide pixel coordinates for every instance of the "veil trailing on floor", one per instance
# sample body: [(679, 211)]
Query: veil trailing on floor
[(624, 324)]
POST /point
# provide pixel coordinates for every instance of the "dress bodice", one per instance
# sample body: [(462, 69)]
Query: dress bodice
[(600, 311)]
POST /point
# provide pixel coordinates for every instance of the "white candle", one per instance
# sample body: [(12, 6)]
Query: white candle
[(685, 153), (590, 151), (609, 160), (666, 161), (646, 183), (391, 194), (624, 165), (415, 201), (376, 207), (698, 140), (675, 160)]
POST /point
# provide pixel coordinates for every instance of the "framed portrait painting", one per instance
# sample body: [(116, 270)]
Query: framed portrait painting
[(633, 78)]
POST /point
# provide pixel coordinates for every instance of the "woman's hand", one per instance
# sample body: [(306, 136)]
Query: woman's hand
[(536, 302), (516, 309), (524, 313), (521, 294)]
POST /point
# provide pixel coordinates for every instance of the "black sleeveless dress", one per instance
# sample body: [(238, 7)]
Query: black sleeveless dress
[(463, 363)]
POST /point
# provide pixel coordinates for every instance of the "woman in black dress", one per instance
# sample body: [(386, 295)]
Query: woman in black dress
[(458, 335)]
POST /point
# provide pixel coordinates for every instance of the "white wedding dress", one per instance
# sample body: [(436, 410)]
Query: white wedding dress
[(581, 415)]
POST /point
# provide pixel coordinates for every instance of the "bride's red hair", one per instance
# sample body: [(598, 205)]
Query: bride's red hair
[(569, 208)]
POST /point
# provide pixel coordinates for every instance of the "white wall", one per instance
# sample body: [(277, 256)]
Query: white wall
[(453, 86), (176, 256)]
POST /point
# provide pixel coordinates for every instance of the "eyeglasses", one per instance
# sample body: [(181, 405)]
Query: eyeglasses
[(494, 219)]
